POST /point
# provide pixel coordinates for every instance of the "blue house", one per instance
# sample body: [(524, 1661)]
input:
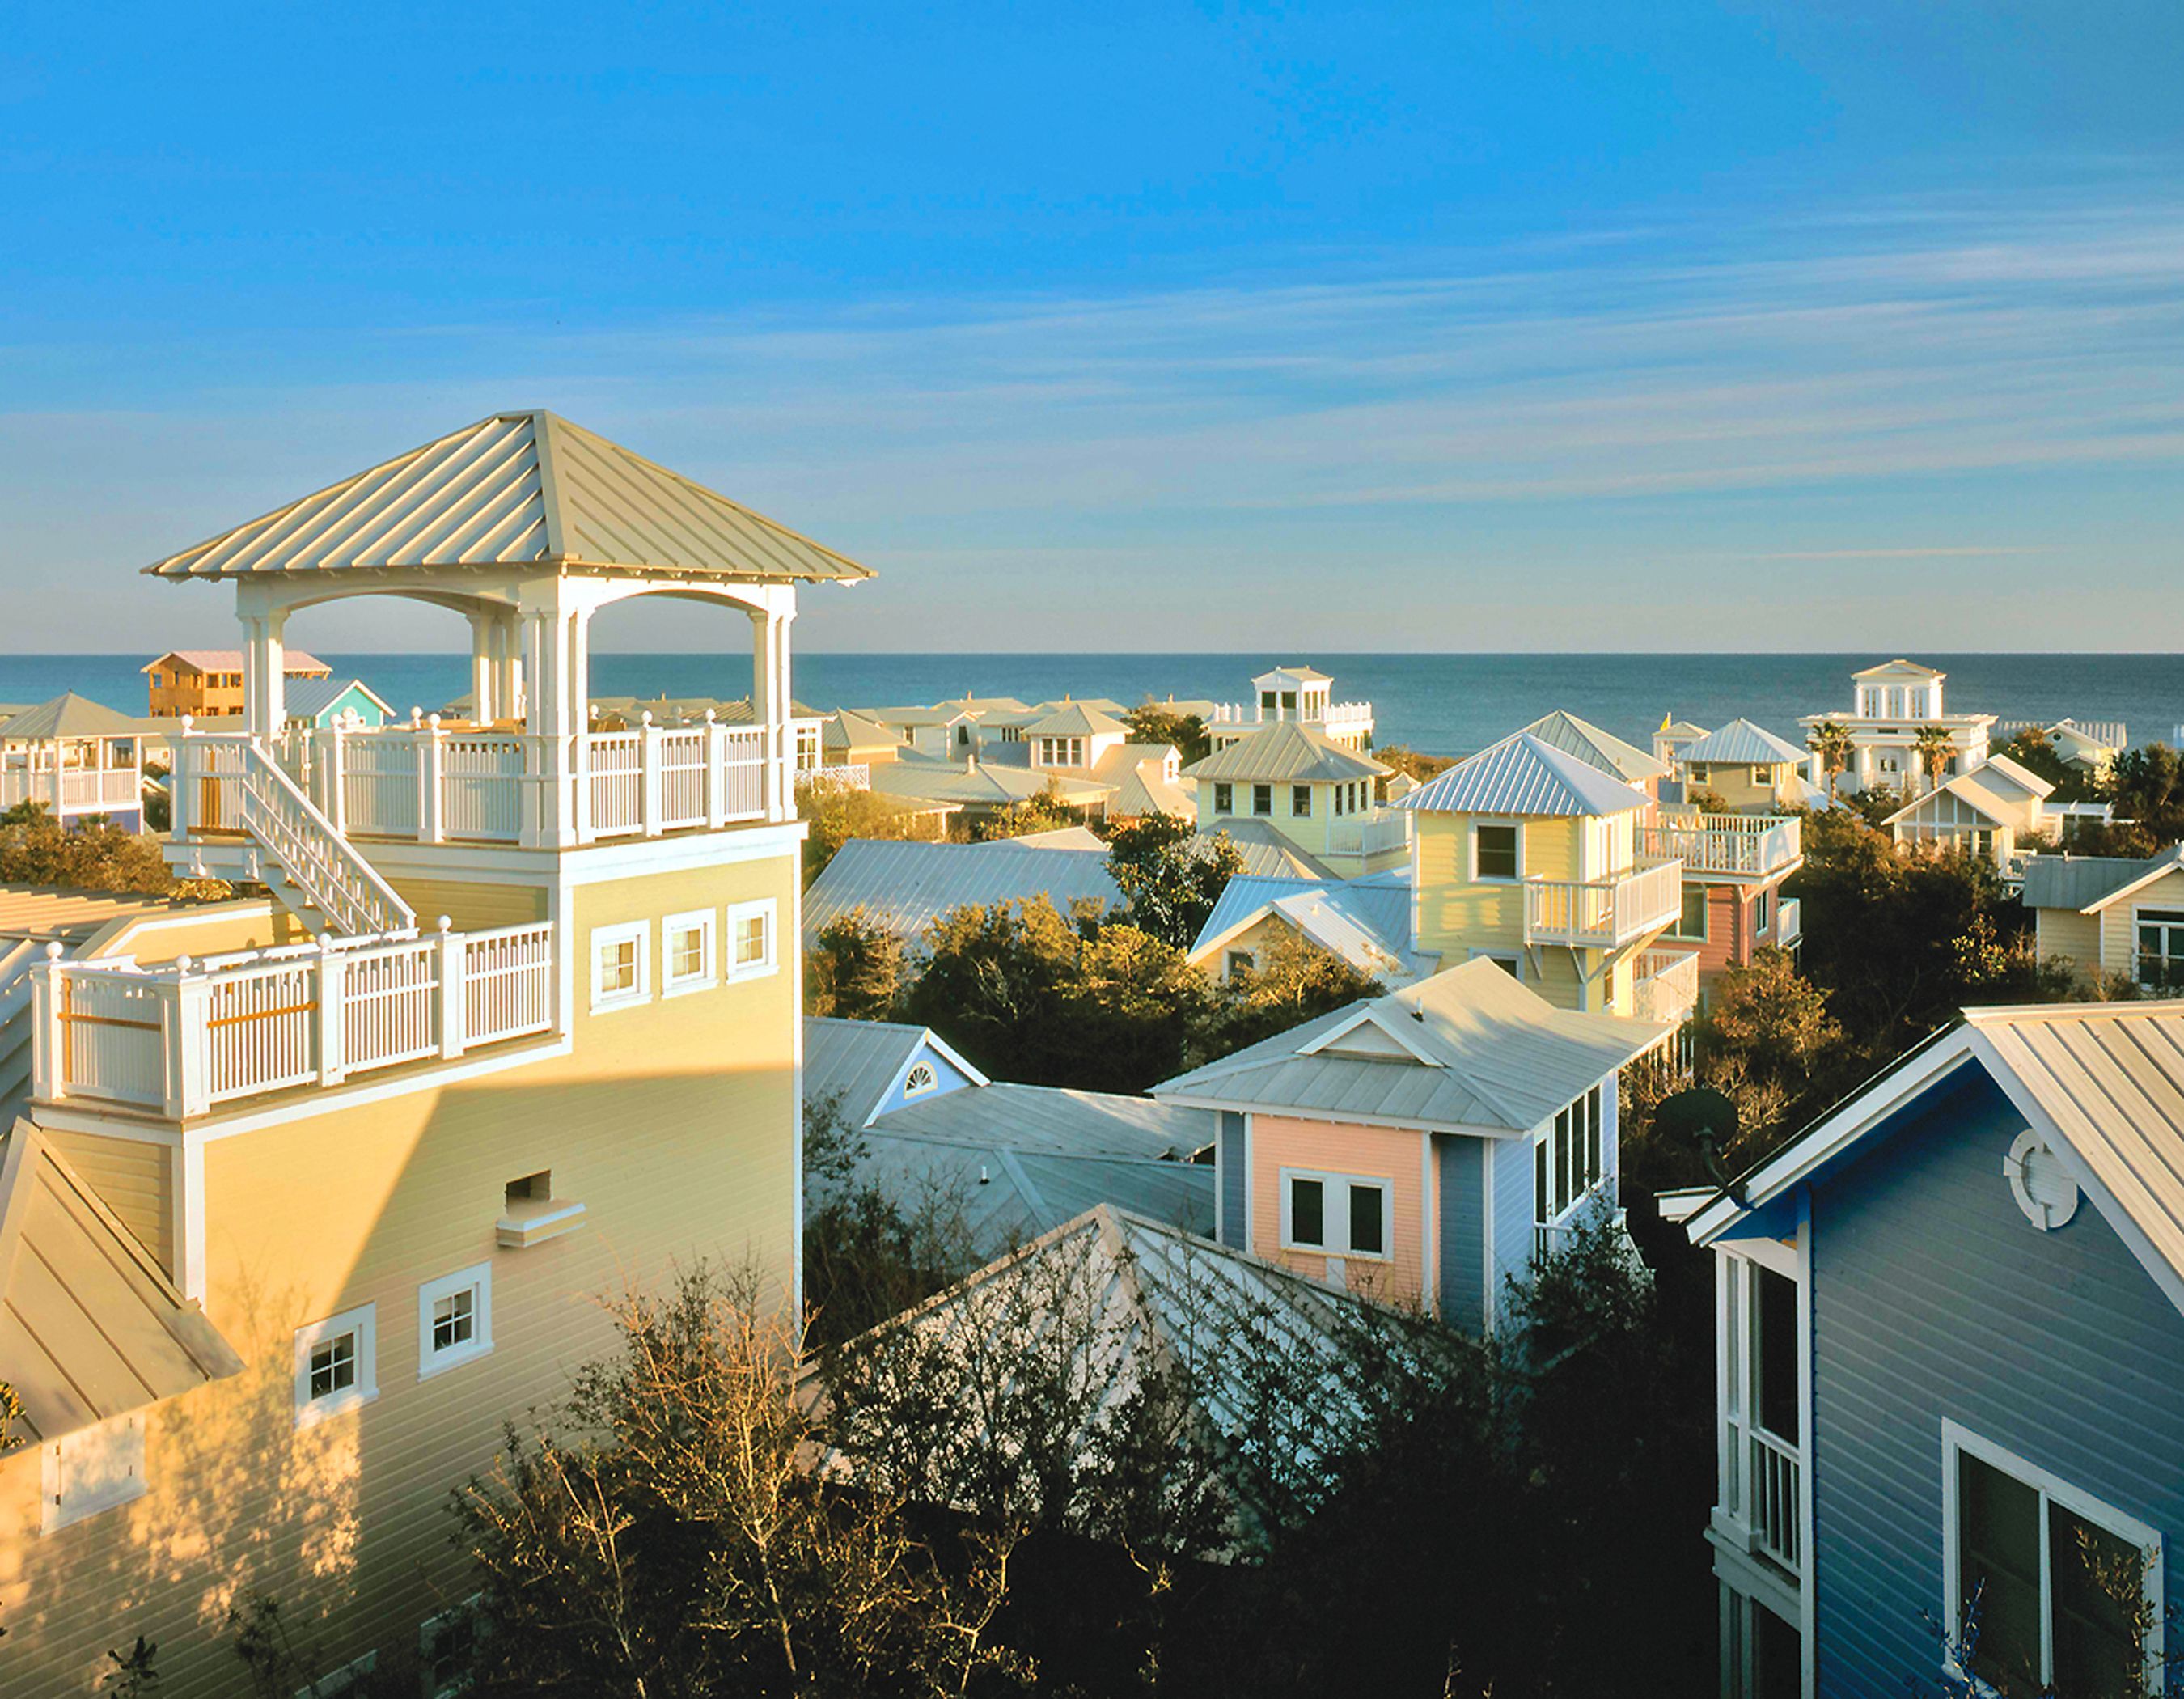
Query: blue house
[(1950, 1366), (316, 704)]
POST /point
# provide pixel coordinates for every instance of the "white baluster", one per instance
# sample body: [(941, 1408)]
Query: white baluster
[(648, 770), (453, 991), (333, 1063)]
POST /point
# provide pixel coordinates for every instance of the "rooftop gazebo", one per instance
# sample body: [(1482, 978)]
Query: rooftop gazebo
[(78, 757), (529, 527)]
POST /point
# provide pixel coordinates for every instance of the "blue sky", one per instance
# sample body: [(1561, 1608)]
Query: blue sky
[(1582, 327)]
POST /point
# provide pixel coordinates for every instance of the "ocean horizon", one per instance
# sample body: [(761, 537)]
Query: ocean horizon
[(1445, 704)]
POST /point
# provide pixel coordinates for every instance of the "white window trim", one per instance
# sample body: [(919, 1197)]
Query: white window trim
[(428, 1635), (602, 936), (1956, 1439), (58, 1506), (431, 1362), (2138, 913), (757, 970), (1335, 1216), (364, 1320), (708, 969), (1479, 878), (1515, 958)]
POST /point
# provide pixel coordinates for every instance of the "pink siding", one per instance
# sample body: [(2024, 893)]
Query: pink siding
[(1381, 1153)]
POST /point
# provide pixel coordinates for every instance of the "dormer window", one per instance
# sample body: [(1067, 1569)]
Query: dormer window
[(919, 1080)]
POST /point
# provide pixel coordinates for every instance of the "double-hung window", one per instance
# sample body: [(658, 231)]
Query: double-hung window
[(1301, 801), (2049, 1590), (750, 939), (1224, 798), (1496, 852), (1262, 798), (1343, 1215), (2159, 955), (455, 1319), (1761, 904), (335, 1365), (687, 952), (620, 974), (1566, 1159)]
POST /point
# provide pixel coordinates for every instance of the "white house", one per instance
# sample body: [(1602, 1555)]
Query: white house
[(1891, 703)]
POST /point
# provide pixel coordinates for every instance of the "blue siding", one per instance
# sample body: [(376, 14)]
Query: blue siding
[(1234, 1178), (1933, 1296), (1513, 1213), (946, 1077), (1461, 1165)]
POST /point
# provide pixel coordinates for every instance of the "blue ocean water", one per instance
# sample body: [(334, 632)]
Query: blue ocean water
[(1445, 704)]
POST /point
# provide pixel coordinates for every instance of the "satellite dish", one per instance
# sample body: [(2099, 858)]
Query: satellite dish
[(1705, 1120)]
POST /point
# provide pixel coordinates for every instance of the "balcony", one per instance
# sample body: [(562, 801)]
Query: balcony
[(846, 776), (1667, 988), (181, 1039), (69, 791), (429, 783), (1380, 833), (1789, 924), (1737, 846), (1336, 718), (1604, 914)]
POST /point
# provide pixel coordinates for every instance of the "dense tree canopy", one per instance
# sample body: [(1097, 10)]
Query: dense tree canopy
[(92, 855), (835, 814), (1155, 723), (1170, 875)]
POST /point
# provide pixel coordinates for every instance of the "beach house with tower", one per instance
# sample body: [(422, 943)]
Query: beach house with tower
[(312, 1192)]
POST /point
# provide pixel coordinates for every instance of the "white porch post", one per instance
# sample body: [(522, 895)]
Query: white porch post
[(580, 693), (264, 673), (485, 671), (770, 710)]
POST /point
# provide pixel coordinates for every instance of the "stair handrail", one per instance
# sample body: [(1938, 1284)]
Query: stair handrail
[(329, 870)]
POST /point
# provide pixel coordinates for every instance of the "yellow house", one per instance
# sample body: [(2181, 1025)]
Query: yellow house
[(1748, 767), (311, 1196), (2111, 916), (1318, 795), (1527, 855)]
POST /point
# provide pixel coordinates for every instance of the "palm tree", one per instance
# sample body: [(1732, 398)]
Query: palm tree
[(1935, 748), (1830, 741)]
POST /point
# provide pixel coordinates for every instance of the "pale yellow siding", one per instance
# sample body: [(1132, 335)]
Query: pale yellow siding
[(135, 1178), (218, 930), (2066, 933), (672, 1120), (471, 907), (2117, 937)]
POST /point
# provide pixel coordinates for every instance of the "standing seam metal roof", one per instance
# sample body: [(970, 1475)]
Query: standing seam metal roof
[(514, 488), (1603, 749), (1741, 741), (905, 887), (1285, 753), (1522, 775)]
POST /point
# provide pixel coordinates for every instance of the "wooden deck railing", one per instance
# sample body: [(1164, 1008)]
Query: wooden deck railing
[(1603, 913), (1744, 845), (185, 1038)]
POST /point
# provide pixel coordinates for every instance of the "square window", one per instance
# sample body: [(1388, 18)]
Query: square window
[(620, 970), (687, 952), (1343, 1215), (1495, 852), (750, 939), (335, 1370), (455, 1319)]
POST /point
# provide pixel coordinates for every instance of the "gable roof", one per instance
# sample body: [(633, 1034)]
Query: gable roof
[(982, 784), (293, 660), (1285, 753), (69, 715), (516, 489), (1741, 741), (90, 1326), (905, 887), (1077, 720), (1484, 1054), (2090, 883), (1366, 922), (2103, 1082), (1303, 674), (1899, 668), (1997, 788), (865, 1061), (1604, 749), (309, 698), (1521, 774)]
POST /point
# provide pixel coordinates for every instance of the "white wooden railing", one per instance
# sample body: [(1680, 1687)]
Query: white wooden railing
[(1789, 922), (1748, 845), (1338, 716), (185, 1038), (1771, 1488), (230, 782), (845, 775), (72, 790), (1667, 988), (429, 783), (1603, 913), (1368, 835)]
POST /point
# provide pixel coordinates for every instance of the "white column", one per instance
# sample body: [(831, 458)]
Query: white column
[(766, 654), (580, 691), (265, 674), (485, 672), (784, 709)]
